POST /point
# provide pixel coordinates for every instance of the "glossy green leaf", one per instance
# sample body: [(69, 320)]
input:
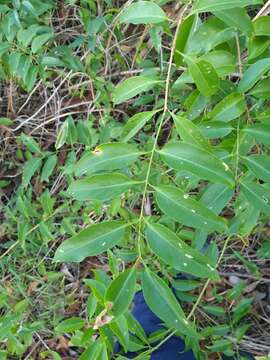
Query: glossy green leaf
[(167, 307), (223, 61), (100, 187), (262, 26), (120, 328), (91, 241), (107, 157), (257, 195), (262, 89), (30, 169), (215, 129), (131, 87), (260, 132), (253, 74), (182, 208), (176, 253), (236, 17), (257, 46), (211, 33), (217, 5), (121, 291), (94, 351), (5, 121), (204, 76), (190, 133), (62, 135), (70, 325), (39, 41), (48, 167), (183, 36), (231, 107), (182, 156), (195, 104), (30, 143), (259, 165), (135, 124), (143, 12)]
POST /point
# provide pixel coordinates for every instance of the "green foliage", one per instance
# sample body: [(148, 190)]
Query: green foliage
[(158, 189)]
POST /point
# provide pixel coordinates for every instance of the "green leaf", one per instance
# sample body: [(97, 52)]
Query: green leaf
[(231, 107), (93, 240), (262, 89), (5, 121), (121, 291), (62, 135), (257, 46), (94, 351), (176, 253), (236, 17), (215, 129), (190, 133), (262, 26), (181, 156), (30, 143), (131, 87), (48, 168), (253, 74), (260, 132), (204, 76), (179, 207), (217, 5), (167, 307), (257, 195), (259, 165), (223, 61), (143, 12), (30, 169), (183, 35), (211, 33), (120, 328), (100, 187), (39, 41), (70, 325), (107, 157), (135, 124)]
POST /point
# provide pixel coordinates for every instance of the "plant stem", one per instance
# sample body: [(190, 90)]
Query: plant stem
[(165, 109)]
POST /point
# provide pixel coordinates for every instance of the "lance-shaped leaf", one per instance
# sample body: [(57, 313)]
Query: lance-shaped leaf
[(183, 35), (180, 207), (231, 107), (223, 61), (259, 165), (163, 303), (260, 132), (257, 195), (182, 156), (133, 86), (215, 129), (262, 89), (143, 12), (262, 26), (135, 124), (101, 187), (253, 74), (176, 253), (107, 157), (204, 75), (91, 241), (217, 5), (190, 133), (236, 17), (121, 291)]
